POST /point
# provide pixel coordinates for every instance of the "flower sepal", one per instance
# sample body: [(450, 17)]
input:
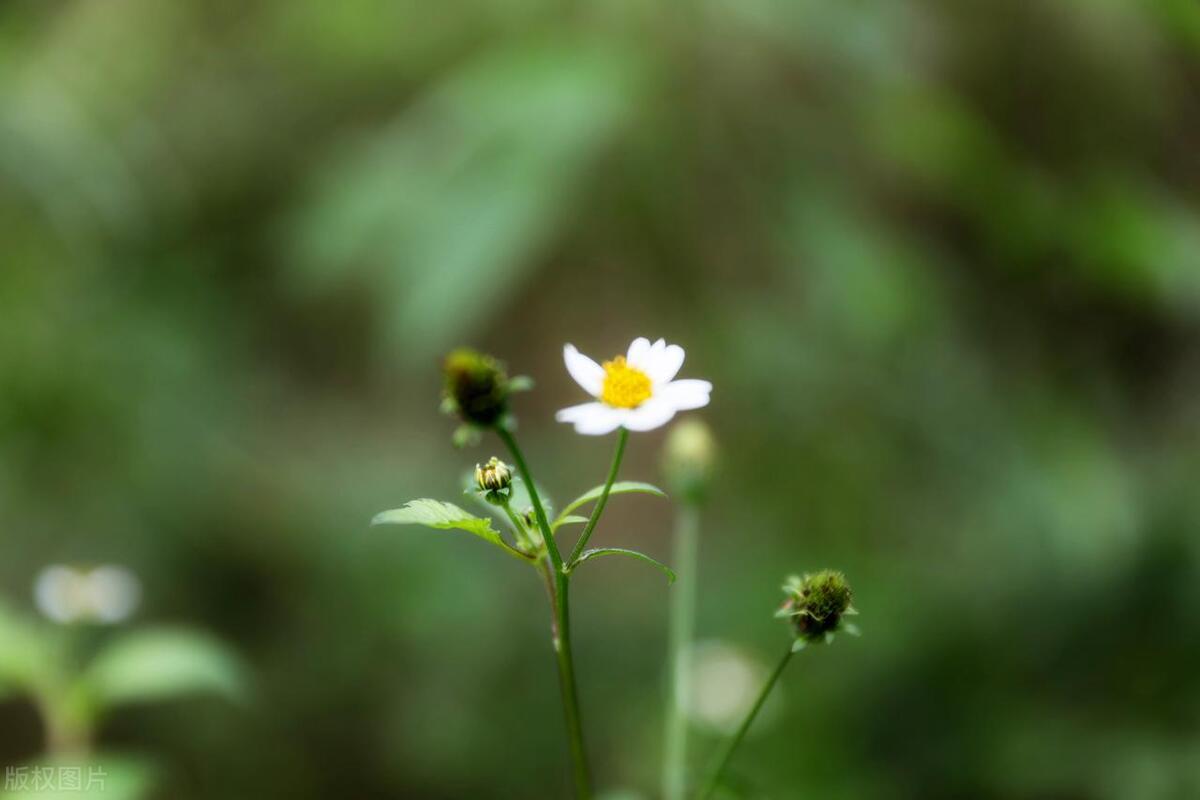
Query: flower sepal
[(520, 383)]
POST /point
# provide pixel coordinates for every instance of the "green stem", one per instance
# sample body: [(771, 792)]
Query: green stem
[(714, 776), (681, 626), (68, 733), (538, 510), (602, 500), (519, 525), (560, 628)]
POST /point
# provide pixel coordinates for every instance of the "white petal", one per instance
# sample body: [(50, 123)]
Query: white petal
[(656, 351), (685, 394), (665, 365), (591, 419), (573, 413), (587, 373), (638, 353), (653, 413)]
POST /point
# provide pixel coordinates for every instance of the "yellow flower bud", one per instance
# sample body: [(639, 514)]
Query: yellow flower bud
[(494, 476)]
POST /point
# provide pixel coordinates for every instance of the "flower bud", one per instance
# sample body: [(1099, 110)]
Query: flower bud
[(494, 476), (816, 605), (477, 387), (689, 457)]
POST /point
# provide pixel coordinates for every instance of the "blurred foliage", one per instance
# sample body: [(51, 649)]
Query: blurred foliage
[(939, 259), (111, 778), (76, 677)]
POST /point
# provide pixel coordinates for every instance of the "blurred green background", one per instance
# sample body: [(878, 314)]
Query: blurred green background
[(940, 260)]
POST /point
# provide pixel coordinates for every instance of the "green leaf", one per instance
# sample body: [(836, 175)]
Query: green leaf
[(569, 519), (444, 516), (621, 551), (157, 664), (27, 653), (620, 487)]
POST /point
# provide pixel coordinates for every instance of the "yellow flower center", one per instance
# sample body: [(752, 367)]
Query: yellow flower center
[(624, 386)]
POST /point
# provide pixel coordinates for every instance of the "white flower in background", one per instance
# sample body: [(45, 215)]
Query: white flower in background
[(637, 391), (725, 683), (105, 594)]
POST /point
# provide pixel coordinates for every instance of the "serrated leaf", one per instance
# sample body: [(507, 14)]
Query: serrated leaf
[(439, 515), (444, 516), (621, 551), (162, 663), (620, 487)]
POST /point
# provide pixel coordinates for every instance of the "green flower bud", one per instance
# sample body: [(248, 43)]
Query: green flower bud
[(816, 605), (477, 387), (493, 476), (689, 458)]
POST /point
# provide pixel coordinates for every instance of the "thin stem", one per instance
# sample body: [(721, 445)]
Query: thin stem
[(538, 510), (557, 586), (68, 733), (602, 500), (518, 524), (570, 693), (681, 626), (714, 776), (521, 534)]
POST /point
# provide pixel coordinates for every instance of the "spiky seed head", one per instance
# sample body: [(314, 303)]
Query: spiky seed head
[(817, 603)]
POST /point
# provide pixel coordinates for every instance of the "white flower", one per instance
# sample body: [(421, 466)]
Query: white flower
[(105, 594), (637, 391)]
